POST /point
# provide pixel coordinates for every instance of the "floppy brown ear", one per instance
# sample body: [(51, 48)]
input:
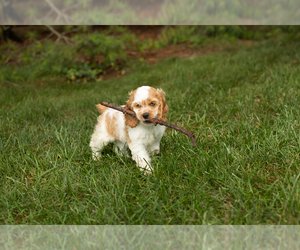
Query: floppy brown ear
[(163, 108), (130, 120)]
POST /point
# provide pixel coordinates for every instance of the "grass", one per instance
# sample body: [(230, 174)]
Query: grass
[(243, 106)]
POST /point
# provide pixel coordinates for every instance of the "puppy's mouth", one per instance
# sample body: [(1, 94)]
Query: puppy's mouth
[(148, 121)]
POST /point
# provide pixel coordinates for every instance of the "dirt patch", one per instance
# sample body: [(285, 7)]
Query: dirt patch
[(180, 50), (183, 50), (146, 31)]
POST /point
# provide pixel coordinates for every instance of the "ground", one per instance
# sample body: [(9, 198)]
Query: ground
[(240, 99)]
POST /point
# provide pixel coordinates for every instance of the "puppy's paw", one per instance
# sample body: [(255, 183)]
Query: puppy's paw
[(155, 151), (145, 167), (96, 156)]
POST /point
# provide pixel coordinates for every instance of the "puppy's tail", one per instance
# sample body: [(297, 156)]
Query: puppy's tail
[(101, 108)]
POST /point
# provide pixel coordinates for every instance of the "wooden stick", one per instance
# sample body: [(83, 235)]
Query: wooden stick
[(153, 120), (59, 36)]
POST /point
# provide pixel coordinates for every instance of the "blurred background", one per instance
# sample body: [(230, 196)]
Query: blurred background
[(91, 53), (108, 12)]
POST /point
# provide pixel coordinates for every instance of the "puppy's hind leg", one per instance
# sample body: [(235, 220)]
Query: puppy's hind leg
[(98, 142)]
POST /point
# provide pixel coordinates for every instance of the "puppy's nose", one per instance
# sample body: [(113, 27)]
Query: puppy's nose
[(146, 115)]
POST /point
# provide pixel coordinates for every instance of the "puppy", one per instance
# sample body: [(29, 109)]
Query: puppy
[(136, 133)]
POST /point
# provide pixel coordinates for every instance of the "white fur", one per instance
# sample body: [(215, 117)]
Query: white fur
[(142, 140), (141, 94), (145, 139)]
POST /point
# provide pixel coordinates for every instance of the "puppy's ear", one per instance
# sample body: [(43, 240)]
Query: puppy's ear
[(131, 121), (163, 108)]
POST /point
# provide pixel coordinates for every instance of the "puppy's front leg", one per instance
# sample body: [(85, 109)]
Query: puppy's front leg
[(154, 148), (140, 156)]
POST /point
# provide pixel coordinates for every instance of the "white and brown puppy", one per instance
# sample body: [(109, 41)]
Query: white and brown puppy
[(140, 135)]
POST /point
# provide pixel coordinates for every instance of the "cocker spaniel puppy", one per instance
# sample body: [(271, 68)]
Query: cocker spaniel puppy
[(140, 135)]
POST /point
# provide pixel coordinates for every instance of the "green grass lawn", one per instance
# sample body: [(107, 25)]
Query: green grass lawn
[(242, 105)]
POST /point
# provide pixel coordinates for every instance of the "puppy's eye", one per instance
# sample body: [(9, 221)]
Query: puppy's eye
[(152, 104), (138, 105)]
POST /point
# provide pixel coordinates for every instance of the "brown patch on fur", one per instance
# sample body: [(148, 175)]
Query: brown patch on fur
[(101, 108), (152, 92), (127, 135), (152, 110), (163, 108), (111, 125), (131, 121)]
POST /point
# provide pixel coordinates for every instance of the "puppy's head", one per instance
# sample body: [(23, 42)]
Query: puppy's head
[(147, 103)]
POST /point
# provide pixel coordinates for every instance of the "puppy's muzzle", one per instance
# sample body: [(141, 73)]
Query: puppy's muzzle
[(145, 115)]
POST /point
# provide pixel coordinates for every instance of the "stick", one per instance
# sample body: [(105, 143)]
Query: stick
[(59, 36), (153, 120)]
